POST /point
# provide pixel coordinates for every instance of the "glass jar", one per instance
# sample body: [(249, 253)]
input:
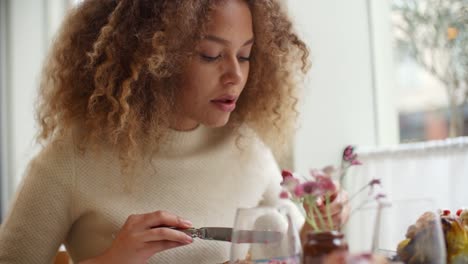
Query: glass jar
[(319, 245)]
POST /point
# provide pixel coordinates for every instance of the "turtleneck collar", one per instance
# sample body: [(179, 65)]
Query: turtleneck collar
[(179, 143)]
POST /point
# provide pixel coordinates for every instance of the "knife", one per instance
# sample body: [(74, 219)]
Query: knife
[(235, 236)]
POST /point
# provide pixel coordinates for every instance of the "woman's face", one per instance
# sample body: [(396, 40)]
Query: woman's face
[(215, 77)]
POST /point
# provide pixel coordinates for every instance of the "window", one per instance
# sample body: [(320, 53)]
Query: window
[(431, 47)]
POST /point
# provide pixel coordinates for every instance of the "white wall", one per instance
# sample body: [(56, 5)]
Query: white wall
[(30, 26), (26, 46), (339, 107)]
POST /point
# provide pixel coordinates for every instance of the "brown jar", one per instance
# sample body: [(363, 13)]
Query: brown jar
[(319, 245)]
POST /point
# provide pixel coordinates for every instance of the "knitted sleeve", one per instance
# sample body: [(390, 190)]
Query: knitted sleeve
[(40, 215)]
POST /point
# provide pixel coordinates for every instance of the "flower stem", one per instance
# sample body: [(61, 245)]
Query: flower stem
[(354, 195), (319, 215), (344, 168), (311, 220), (327, 206)]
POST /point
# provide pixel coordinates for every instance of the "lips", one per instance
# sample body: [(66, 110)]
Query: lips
[(226, 103)]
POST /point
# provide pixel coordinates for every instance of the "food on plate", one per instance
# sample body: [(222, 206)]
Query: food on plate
[(420, 245)]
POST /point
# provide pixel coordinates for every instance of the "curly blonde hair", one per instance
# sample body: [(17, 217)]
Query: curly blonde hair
[(112, 72)]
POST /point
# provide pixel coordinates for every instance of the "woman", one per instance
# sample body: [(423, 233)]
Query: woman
[(156, 114)]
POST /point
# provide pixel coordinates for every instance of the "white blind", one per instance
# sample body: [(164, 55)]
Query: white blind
[(429, 176)]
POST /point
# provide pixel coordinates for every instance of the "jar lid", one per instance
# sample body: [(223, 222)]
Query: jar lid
[(324, 235)]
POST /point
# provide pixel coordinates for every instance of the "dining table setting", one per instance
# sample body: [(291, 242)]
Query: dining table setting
[(268, 235)]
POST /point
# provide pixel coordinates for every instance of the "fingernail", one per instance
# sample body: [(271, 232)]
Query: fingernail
[(188, 239), (185, 222)]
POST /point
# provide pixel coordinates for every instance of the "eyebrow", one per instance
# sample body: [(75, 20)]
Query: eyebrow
[(225, 41)]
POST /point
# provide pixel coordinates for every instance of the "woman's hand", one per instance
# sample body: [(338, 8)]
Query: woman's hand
[(144, 235)]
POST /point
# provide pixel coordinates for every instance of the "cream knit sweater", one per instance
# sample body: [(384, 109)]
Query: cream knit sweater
[(80, 199)]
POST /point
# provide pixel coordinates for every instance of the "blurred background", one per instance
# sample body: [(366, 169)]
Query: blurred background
[(389, 76)]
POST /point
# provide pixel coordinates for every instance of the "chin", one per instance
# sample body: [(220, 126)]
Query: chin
[(216, 123)]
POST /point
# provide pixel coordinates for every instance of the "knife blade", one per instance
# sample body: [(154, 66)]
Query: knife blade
[(235, 236)]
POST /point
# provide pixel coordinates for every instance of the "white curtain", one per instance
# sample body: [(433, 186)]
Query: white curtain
[(415, 177)]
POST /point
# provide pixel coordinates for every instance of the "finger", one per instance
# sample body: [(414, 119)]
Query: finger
[(164, 218), (165, 234), (155, 247)]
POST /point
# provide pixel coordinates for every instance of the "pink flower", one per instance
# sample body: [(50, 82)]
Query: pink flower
[(348, 150), (310, 187), (348, 153), (372, 183), (375, 182), (320, 191), (380, 196), (299, 190), (284, 195), (286, 174), (325, 184)]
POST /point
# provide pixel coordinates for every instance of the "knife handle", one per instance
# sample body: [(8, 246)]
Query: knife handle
[(193, 232)]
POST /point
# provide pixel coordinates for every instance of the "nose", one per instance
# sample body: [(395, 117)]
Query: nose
[(232, 72)]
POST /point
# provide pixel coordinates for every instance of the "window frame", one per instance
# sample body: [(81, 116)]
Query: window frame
[(5, 160)]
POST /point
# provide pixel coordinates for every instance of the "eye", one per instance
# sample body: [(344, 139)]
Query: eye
[(243, 59), (209, 58)]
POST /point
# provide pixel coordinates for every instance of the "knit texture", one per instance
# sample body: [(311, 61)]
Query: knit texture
[(82, 200)]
